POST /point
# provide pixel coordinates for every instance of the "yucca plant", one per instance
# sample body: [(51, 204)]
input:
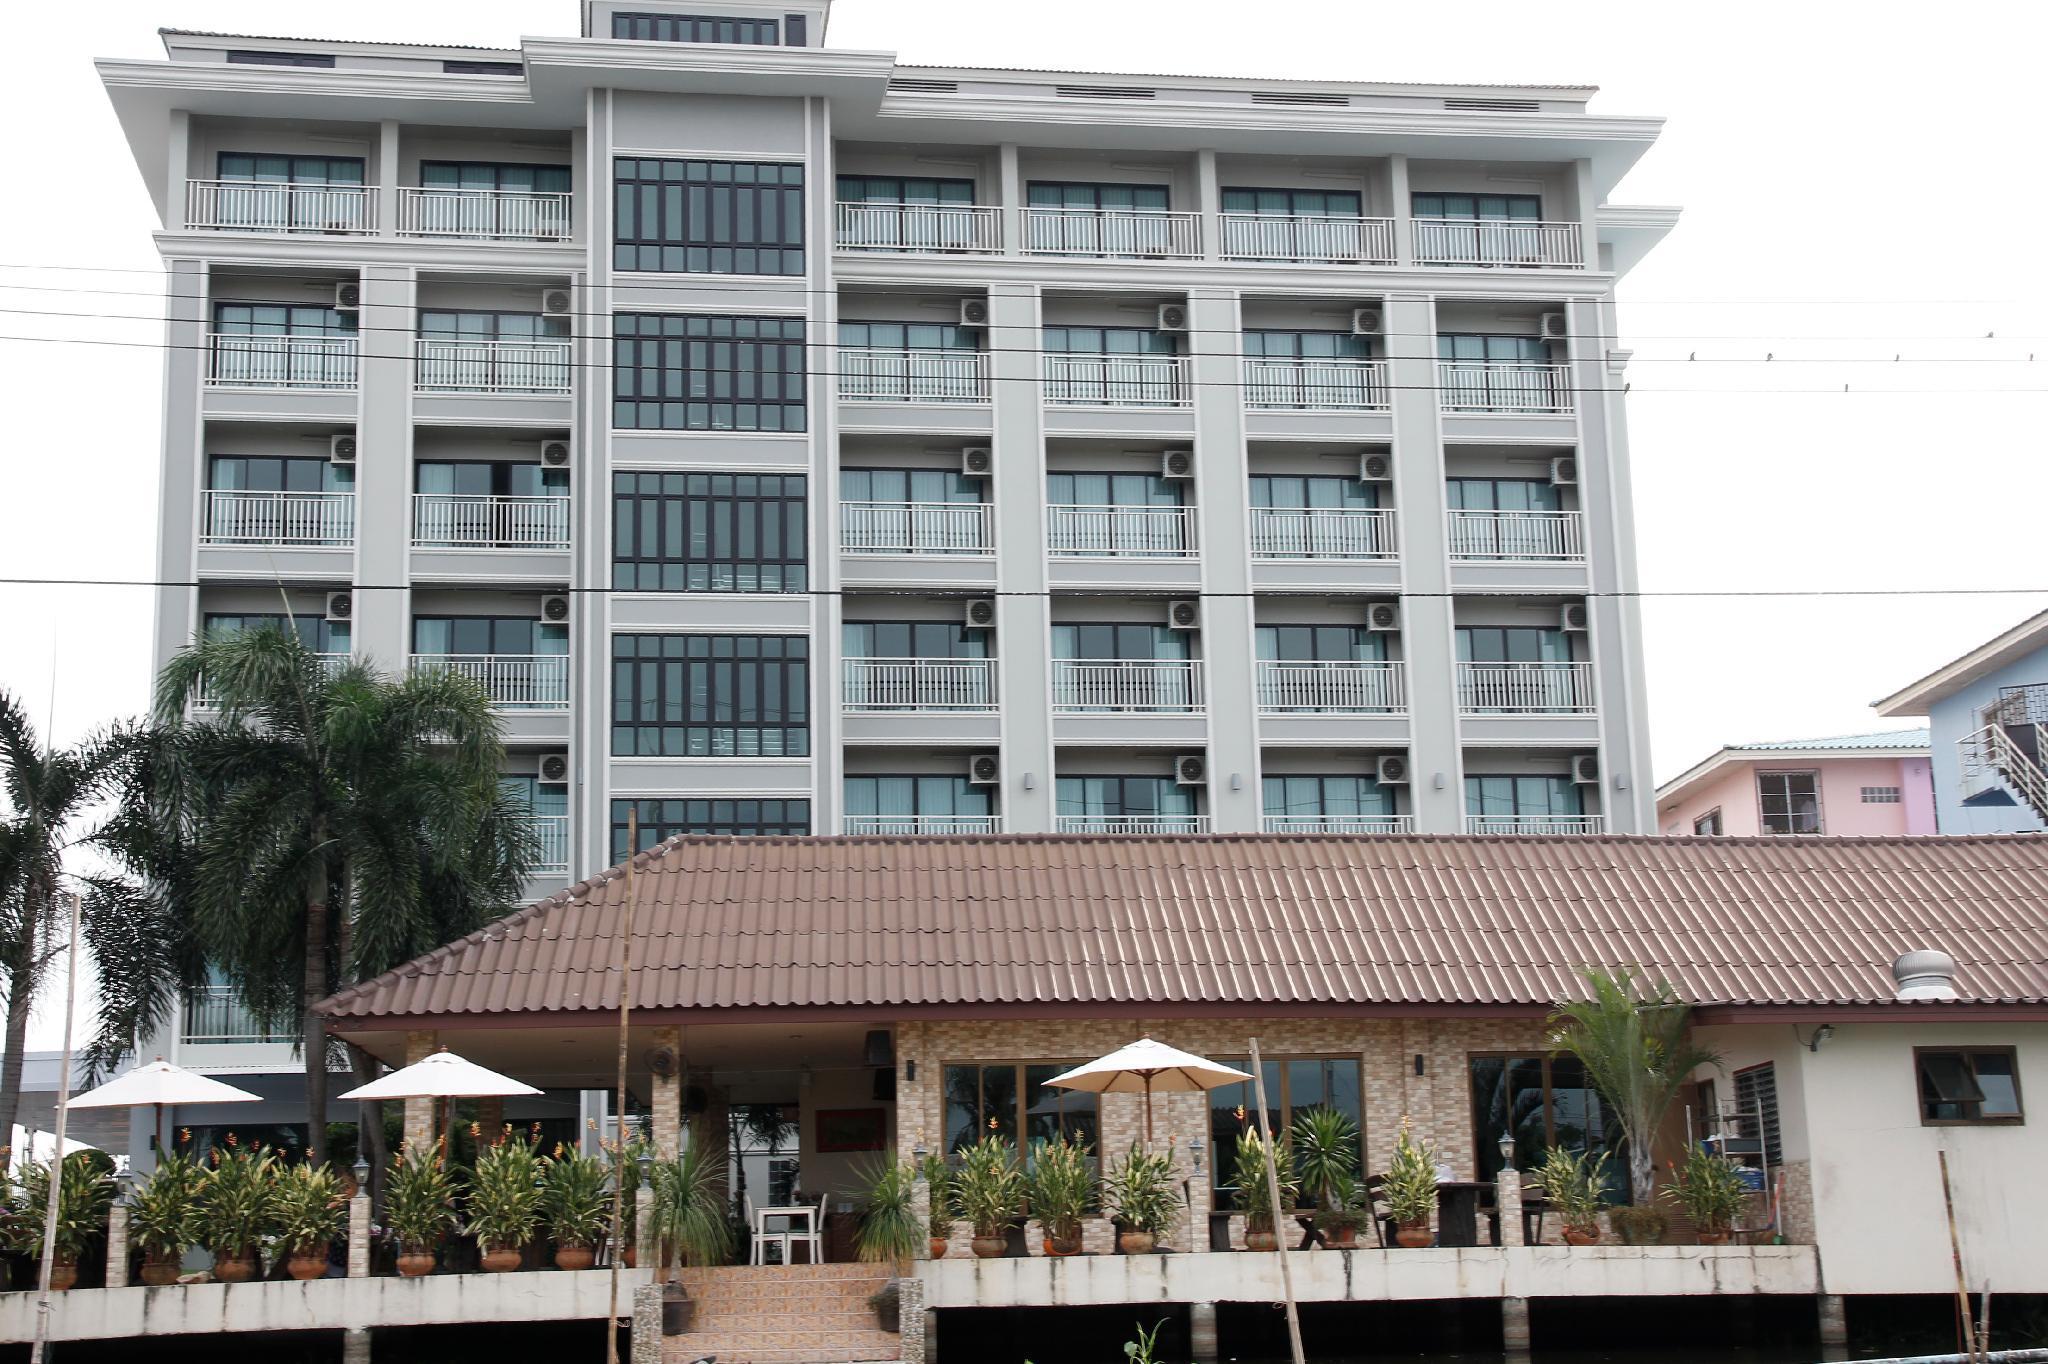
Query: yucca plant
[(687, 1218), (1058, 1185), (505, 1193), (890, 1229), (237, 1197), (163, 1219), (419, 1198), (1325, 1149), (574, 1200), (309, 1208)]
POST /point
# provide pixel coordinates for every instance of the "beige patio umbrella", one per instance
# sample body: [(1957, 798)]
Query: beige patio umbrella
[(159, 1084), (443, 1075), (1145, 1066)]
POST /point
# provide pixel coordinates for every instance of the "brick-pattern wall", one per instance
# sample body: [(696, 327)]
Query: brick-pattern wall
[(665, 1099), (1795, 1208), (419, 1113)]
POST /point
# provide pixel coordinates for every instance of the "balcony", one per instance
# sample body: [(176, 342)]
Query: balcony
[(1371, 687), (237, 517), (914, 376), (1503, 386), (1309, 240), (1116, 381), (1133, 234), (1316, 385), (1083, 532), (1322, 533), (957, 528), (896, 826), (452, 521), (240, 360), (921, 229), (1525, 688), (484, 215), (1517, 826), (329, 664), (551, 845), (214, 1016), (491, 366), (1337, 824), (260, 206), (1167, 685), (511, 681), (1546, 536), (1505, 242), (919, 684), (1131, 824)]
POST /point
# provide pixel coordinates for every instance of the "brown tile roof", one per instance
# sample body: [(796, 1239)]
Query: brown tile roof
[(1024, 921)]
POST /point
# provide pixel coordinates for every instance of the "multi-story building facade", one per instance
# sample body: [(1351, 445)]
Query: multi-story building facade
[(1865, 785), (792, 441)]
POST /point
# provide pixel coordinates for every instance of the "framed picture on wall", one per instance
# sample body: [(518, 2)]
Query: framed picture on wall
[(850, 1129)]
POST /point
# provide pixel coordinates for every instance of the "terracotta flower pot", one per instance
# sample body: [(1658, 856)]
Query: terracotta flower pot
[(1582, 1235), (63, 1274), (989, 1247), (1063, 1245), (937, 1247), (574, 1257), (234, 1269), (1136, 1242), (1266, 1239), (158, 1272), (1413, 1235), (1713, 1236), (1341, 1238), (311, 1265), (415, 1264), (632, 1257), (501, 1260)]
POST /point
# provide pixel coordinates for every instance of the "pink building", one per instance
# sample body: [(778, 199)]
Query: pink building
[(1857, 784)]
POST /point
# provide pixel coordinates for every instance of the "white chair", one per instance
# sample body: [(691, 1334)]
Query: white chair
[(757, 1220), (812, 1236)]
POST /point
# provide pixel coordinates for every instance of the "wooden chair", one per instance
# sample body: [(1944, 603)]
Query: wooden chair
[(1382, 1218)]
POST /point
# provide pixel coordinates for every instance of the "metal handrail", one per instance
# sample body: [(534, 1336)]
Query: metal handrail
[(1323, 533), (1525, 688), (1506, 241), (1086, 531), (1306, 237), (1119, 684), (506, 215), (214, 1015), (253, 360), (953, 684), (1517, 534), (1131, 824), (275, 206), (236, 516), (470, 521), (1516, 825), (551, 837), (1337, 824), (1992, 749), (1503, 386), (511, 681), (917, 528), (1336, 384), (448, 366), (1076, 380), (1359, 686), (1143, 233), (911, 825), (913, 376), (926, 228)]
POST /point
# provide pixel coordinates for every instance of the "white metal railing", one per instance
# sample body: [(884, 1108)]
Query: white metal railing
[(917, 527), (243, 360), (509, 215), (928, 228), (459, 521), (1286, 685), (1274, 236), (1526, 688), (900, 825), (1337, 824), (1141, 232), (1120, 532), (1498, 242), (1134, 684), (1115, 380), (214, 1015), (1515, 825), (551, 840), (329, 663), (1517, 535), (492, 366), (1335, 384), (1992, 750), (1323, 533), (960, 684), (913, 376), (273, 206), (1503, 386), (1131, 824), (511, 681), (239, 517)]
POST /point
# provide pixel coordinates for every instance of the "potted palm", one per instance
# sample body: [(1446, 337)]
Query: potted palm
[(1410, 1188), (163, 1219), (236, 1199), (574, 1203), (1575, 1188), (504, 1200), (309, 1209), (1255, 1193), (1711, 1191), (1139, 1194), (687, 1222), (890, 1229), (1325, 1147), (85, 1194), (945, 1205), (419, 1206), (1058, 1185), (990, 1191)]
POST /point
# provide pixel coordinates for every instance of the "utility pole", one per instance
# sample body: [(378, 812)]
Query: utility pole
[(618, 1255), (1273, 1192)]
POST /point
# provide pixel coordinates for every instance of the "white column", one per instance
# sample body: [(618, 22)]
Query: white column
[(1209, 199), (1022, 610), (1220, 489), (384, 466), (387, 178), (179, 151), (1398, 209), (1010, 179)]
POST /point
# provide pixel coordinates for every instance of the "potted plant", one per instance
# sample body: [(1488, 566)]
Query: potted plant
[(85, 1194), (164, 1218), (945, 1204), (1346, 1208), (890, 1228), (1409, 1188), (419, 1206), (236, 1199), (309, 1209), (687, 1220), (1638, 1225), (887, 1302), (574, 1202), (1711, 1191), (1254, 1190), (1058, 1185), (990, 1191), (504, 1200), (1139, 1195), (1324, 1142), (1575, 1188), (625, 1158)]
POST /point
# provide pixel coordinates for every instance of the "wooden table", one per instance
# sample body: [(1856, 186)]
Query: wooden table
[(1457, 1211)]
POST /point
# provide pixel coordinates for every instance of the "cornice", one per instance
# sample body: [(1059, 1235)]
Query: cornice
[(861, 267), (1639, 217), (219, 248), (712, 58), (293, 82)]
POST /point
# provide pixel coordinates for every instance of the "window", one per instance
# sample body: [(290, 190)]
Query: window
[(1789, 802), (1501, 494), (1110, 341), (317, 634), (709, 217), (1317, 492), (341, 172), (1485, 523), (460, 68), (281, 319), (709, 532), (1338, 798), (1307, 345), (911, 639), (1968, 1085), (1294, 1085), (1158, 801), (1479, 349), (268, 500), (700, 372), (1310, 370), (706, 696), (1136, 643), (1123, 490), (440, 324), (254, 57), (1523, 802), (1880, 795), (489, 478), (1489, 208), (907, 336), (1756, 1102), (1098, 219), (1009, 1099), (1320, 644), (694, 28), (1295, 203), (910, 361), (488, 636), (664, 818), (1545, 1101), (1512, 644), (916, 511), (871, 800), (1708, 823), (498, 177), (902, 190), (267, 474), (909, 485), (1102, 198)]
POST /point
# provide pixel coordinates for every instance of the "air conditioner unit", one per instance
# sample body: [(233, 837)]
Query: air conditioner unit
[(340, 606), (1191, 769), (977, 461), (1173, 317), (1383, 617), (974, 312), (554, 608), (554, 767), (1391, 769), (1177, 464), (1552, 327), (1375, 468), (1368, 322), (1573, 616), (556, 302), (341, 449), (1564, 469), (981, 613), (1184, 615), (555, 453), (1585, 769), (348, 297), (985, 769)]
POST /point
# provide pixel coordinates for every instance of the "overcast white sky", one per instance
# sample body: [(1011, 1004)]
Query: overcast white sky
[(1859, 181)]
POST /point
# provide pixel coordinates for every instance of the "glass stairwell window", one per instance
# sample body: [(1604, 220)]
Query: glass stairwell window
[(520, 663), (1113, 367), (1308, 669), (1335, 804), (490, 504), (707, 816), (269, 192), (710, 532), (282, 345), (1111, 667), (911, 362), (903, 665), (912, 213), (547, 806), (1117, 515), (1525, 805), (708, 217), (918, 805), (913, 511), (1507, 518), (1127, 805), (1318, 516), (1311, 371), (266, 500)]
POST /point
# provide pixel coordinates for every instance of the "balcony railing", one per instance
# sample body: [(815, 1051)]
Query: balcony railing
[(492, 366), (329, 664), (1115, 381), (929, 229), (215, 1016), (456, 521), (551, 840), (913, 376), (240, 360), (269, 206), (1120, 532), (1503, 386), (1118, 684), (1337, 824), (1131, 824), (237, 517), (1145, 234), (1328, 385), (503, 215), (1517, 535), (1287, 686), (1340, 241), (1512, 826), (917, 528), (897, 826), (1322, 533), (952, 684), (511, 681), (1525, 688), (1523, 243)]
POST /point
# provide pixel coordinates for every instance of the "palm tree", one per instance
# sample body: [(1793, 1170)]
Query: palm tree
[(1632, 1038), (314, 789)]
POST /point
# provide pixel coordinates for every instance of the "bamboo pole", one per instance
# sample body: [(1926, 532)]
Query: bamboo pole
[(618, 1246), (1273, 1192), (1955, 1248), (57, 1160)]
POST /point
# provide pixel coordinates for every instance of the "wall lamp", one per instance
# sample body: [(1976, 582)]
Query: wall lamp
[(1820, 1036)]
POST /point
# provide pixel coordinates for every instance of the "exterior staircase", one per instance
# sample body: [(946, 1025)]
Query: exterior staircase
[(2010, 745), (784, 1314)]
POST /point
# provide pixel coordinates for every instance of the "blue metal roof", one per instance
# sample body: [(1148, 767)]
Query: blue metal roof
[(1890, 738)]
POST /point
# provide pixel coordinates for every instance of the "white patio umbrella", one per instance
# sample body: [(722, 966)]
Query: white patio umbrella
[(159, 1084), (1145, 1066), (443, 1075)]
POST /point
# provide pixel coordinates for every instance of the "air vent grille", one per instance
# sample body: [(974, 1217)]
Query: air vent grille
[(905, 85), (1301, 97), (1492, 106), (1104, 92)]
